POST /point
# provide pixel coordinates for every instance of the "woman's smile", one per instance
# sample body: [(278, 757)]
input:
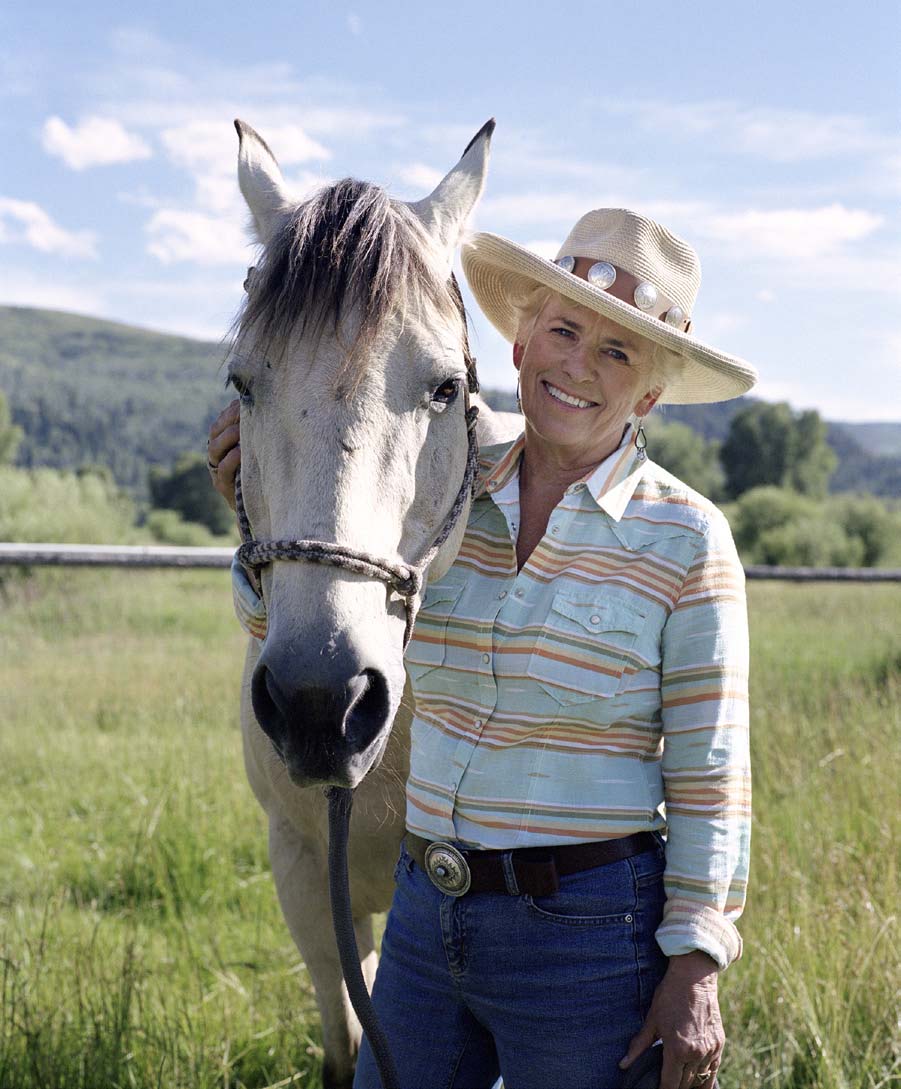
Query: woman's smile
[(568, 400)]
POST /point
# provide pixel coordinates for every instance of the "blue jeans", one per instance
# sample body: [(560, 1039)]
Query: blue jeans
[(547, 991)]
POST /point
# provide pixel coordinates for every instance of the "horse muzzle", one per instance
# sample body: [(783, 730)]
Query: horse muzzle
[(328, 723)]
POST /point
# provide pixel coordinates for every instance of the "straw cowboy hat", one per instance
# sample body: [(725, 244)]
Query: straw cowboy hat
[(629, 269)]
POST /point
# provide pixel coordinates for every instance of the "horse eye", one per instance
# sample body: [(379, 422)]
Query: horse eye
[(241, 388), (445, 395)]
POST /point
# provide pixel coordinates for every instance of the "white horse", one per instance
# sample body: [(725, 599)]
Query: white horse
[(351, 364)]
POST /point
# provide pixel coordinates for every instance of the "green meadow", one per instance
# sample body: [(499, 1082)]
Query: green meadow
[(141, 944)]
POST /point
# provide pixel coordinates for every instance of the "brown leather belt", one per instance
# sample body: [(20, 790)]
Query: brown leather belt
[(530, 871)]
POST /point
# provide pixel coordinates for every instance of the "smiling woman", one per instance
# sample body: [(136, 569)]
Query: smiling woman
[(580, 684)]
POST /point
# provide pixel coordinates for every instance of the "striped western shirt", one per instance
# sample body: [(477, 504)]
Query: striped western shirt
[(599, 691)]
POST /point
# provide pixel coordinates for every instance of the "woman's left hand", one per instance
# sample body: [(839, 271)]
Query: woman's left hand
[(685, 1015)]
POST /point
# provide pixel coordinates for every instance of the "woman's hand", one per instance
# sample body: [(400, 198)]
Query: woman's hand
[(685, 1015), (224, 451)]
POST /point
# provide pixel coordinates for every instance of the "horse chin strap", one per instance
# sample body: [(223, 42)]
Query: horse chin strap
[(405, 579)]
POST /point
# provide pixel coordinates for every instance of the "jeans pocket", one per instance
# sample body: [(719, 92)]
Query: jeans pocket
[(649, 866), (603, 896)]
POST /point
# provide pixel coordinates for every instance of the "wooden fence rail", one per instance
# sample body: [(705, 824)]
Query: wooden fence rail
[(71, 555), (84, 555)]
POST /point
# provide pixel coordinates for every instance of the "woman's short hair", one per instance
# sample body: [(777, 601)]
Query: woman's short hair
[(663, 364)]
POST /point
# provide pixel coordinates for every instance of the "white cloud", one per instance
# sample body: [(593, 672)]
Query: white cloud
[(212, 145), (177, 235), (419, 176), (551, 207), (24, 222), (778, 135), (20, 288), (544, 247), (94, 141), (721, 324), (209, 151), (792, 234)]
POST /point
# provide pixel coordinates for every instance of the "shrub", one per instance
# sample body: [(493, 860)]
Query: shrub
[(685, 454), (761, 510), (779, 527), (168, 527), (62, 507), (186, 489), (869, 521), (813, 540)]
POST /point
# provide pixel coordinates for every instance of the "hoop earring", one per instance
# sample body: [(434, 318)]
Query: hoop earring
[(518, 399), (641, 442)]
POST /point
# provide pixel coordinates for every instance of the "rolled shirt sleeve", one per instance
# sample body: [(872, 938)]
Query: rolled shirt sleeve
[(706, 762), (249, 606)]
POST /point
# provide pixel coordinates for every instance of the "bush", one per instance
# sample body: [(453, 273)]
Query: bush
[(685, 454), (872, 523), (814, 540), (61, 507), (779, 527), (186, 489), (168, 527), (761, 510)]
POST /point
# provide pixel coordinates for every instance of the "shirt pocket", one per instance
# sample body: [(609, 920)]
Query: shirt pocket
[(428, 647), (585, 647)]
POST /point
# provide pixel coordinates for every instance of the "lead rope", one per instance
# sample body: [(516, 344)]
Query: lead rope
[(340, 801), (406, 580)]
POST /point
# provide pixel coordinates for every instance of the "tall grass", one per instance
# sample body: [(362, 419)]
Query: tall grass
[(140, 938)]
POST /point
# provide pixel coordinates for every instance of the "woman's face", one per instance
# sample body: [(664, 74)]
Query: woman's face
[(581, 377)]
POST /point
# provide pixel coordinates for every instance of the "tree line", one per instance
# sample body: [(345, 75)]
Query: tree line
[(770, 474)]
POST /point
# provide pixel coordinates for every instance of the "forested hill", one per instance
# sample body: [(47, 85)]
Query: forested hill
[(90, 392)]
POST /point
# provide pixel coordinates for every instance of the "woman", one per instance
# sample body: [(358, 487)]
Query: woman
[(580, 676)]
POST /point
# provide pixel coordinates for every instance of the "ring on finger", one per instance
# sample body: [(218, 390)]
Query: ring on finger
[(703, 1075)]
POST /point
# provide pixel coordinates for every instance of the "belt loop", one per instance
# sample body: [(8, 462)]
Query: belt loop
[(510, 873)]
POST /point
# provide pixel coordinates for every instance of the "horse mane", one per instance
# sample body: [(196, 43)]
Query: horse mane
[(350, 247)]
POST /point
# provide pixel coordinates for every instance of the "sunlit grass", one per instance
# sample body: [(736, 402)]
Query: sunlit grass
[(141, 940)]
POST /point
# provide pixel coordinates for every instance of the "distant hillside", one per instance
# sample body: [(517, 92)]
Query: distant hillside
[(91, 392), (882, 439)]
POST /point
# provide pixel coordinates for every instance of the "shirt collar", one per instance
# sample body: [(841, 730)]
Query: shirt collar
[(612, 484)]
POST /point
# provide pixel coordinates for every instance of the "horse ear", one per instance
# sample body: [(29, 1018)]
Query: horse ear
[(261, 182), (445, 211)]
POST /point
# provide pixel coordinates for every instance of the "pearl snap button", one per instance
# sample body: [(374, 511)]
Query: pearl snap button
[(486, 658), (595, 619)]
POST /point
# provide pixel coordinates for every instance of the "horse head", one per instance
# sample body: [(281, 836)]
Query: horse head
[(351, 362)]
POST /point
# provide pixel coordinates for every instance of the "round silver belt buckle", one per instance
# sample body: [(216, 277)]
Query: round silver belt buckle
[(447, 869)]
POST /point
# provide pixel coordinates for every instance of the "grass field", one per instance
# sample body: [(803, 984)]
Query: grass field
[(140, 939)]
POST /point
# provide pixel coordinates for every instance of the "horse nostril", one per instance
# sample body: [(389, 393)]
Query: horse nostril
[(268, 701), (367, 715)]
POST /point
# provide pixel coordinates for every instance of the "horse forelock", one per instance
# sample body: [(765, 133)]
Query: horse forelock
[(350, 250)]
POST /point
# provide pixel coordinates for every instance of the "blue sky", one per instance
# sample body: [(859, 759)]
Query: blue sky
[(764, 134)]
